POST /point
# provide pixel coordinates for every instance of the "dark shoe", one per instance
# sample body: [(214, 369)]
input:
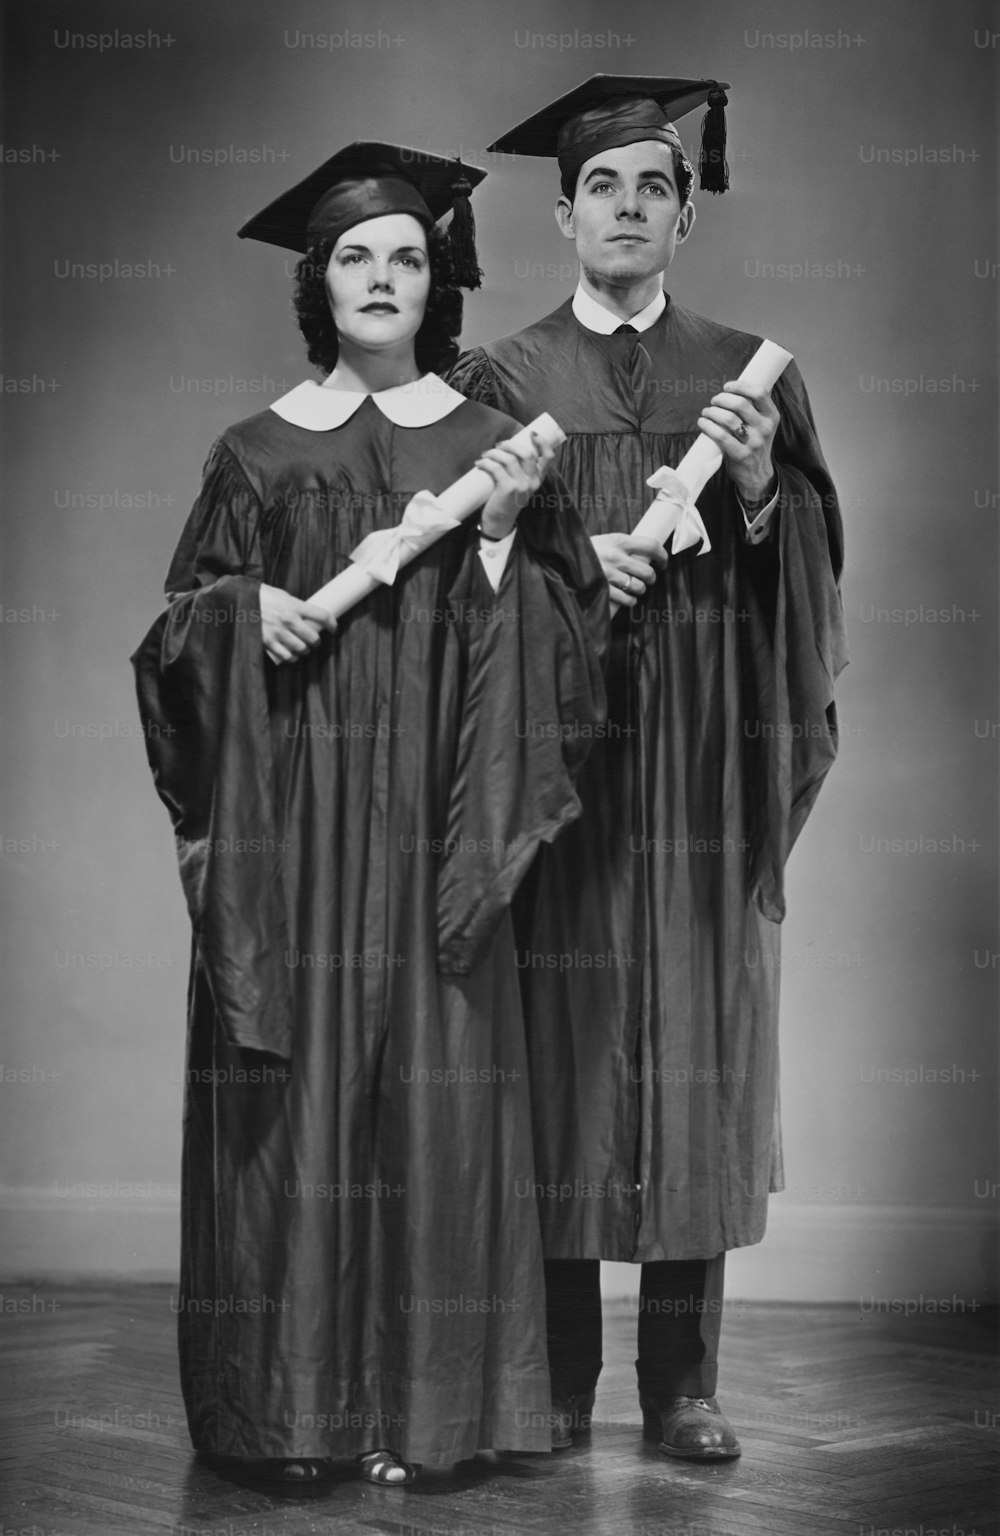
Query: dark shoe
[(386, 1469), (305, 1470), (300, 1474), (571, 1418), (694, 1428)]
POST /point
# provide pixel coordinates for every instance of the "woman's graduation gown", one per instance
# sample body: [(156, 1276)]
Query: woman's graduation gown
[(360, 1267), (654, 1045)]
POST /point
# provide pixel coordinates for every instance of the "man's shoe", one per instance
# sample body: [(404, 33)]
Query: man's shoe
[(694, 1428), (571, 1418)]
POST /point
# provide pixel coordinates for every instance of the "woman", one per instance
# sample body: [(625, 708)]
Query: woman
[(361, 1271)]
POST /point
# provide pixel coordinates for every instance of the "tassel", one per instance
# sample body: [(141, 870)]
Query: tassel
[(462, 237), (712, 165)]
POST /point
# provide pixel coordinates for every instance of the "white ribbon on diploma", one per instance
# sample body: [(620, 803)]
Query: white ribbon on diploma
[(426, 519), (674, 511), (384, 551)]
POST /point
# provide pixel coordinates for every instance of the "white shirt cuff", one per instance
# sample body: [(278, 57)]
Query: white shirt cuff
[(493, 553), (757, 526)]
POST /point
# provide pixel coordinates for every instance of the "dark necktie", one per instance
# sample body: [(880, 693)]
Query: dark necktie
[(638, 368)]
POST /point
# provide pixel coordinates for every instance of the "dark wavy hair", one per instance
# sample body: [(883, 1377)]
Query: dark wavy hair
[(683, 172), (436, 342)]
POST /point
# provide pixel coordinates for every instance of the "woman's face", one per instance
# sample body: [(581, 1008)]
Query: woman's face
[(378, 280)]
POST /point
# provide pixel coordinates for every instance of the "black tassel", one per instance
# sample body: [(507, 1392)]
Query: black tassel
[(712, 167), (462, 237)]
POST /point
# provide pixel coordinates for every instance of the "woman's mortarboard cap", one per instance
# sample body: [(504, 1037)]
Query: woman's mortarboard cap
[(365, 181), (608, 111)]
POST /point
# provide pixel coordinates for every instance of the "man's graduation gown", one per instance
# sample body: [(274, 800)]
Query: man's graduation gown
[(649, 958), (359, 1265)]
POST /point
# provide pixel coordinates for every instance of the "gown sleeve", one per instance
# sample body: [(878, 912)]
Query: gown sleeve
[(203, 702), (533, 704), (796, 640), (472, 375)]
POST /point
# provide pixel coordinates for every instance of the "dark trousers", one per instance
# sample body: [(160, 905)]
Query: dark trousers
[(680, 1318)]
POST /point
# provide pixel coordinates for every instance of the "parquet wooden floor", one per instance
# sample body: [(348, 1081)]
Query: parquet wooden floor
[(858, 1423)]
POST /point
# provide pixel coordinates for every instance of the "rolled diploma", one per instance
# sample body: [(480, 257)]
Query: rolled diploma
[(703, 458), (459, 501)]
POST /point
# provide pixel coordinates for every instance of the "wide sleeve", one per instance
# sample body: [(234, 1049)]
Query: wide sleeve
[(472, 375), (203, 702), (796, 642), (533, 704)]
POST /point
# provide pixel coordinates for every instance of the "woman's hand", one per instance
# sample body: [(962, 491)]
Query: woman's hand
[(629, 562), (289, 626), (516, 477)]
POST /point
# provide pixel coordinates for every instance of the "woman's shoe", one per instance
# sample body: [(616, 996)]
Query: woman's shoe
[(303, 1470), (309, 1474), (386, 1469)]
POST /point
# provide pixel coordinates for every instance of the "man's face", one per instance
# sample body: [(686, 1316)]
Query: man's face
[(626, 216)]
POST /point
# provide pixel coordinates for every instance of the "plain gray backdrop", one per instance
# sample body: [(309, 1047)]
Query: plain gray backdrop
[(860, 232)]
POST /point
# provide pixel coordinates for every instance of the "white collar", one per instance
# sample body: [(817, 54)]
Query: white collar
[(318, 409), (596, 318)]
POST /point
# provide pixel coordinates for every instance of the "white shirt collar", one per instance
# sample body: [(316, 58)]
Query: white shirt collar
[(596, 318), (318, 409)]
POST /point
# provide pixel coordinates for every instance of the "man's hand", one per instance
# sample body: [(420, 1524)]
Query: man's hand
[(289, 626), (629, 562), (742, 423), (516, 477)]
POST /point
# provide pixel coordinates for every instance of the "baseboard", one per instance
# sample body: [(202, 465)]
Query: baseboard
[(861, 1254), (936, 1257), (93, 1230)]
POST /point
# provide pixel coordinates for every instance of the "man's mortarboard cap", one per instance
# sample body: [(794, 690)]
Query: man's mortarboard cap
[(608, 111), (365, 181)]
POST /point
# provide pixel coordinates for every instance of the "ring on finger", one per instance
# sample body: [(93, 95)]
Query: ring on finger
[(740, 433)]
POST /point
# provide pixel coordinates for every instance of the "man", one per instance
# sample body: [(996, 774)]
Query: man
[(649, 953)]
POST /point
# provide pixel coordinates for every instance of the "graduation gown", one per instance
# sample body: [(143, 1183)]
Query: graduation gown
[(358, 1266), (649, 955)]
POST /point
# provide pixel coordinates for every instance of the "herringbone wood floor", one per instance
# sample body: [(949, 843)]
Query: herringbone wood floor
[(860, 1423)]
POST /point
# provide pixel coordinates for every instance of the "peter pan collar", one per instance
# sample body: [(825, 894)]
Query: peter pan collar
[(317, 409)]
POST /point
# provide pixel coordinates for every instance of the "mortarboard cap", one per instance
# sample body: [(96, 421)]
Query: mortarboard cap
[(365, 181), (608, 111)]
